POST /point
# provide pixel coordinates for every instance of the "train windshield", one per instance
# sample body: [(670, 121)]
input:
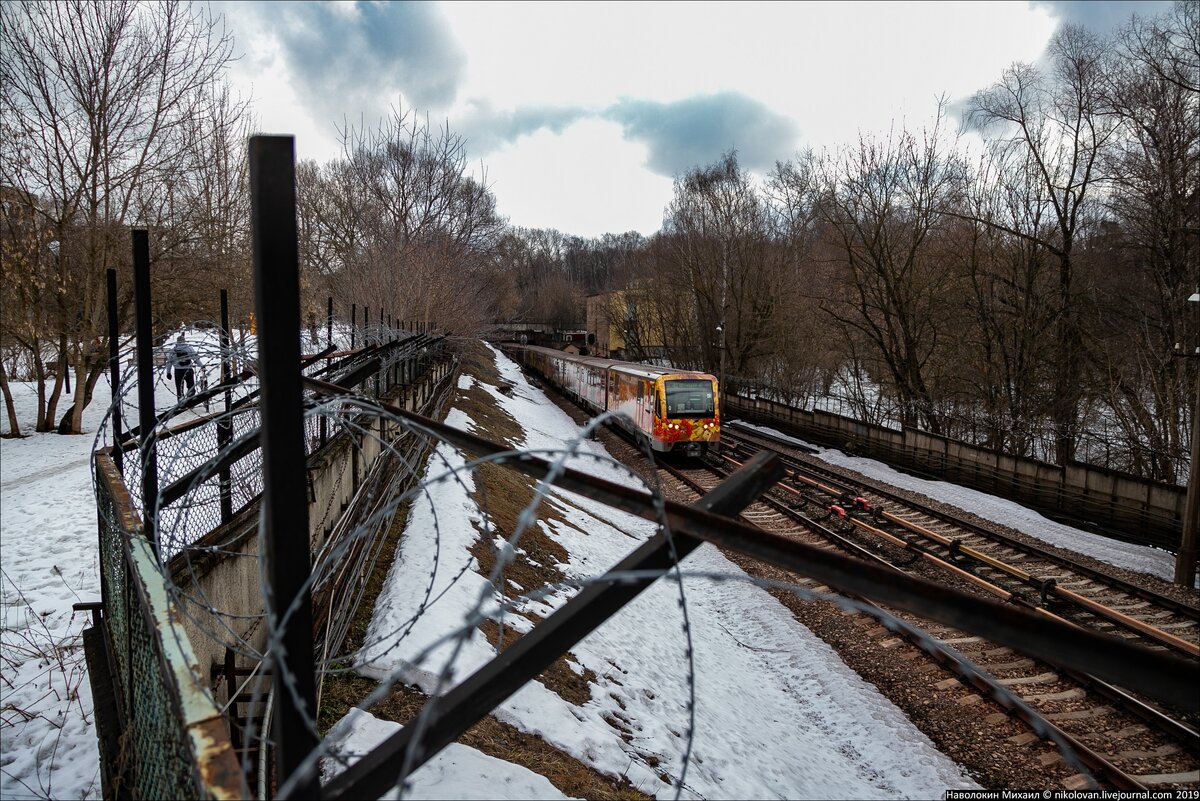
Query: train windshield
[(687, 397)]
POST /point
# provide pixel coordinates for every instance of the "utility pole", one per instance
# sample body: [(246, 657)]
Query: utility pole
[(721, 373), (1185, 560)]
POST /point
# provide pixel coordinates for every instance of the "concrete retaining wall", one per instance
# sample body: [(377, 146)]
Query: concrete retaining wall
[(228, 579)]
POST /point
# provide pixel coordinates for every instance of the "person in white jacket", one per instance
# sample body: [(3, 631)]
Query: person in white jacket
[(183, 362)]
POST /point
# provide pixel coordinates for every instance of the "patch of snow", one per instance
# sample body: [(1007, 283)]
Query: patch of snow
[(777, 713), (458, 771), (49, 556)]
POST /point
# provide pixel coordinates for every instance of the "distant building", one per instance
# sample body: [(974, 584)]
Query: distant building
[(621, 325)]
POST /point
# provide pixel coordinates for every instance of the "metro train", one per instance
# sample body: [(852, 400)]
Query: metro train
[(672, 410)]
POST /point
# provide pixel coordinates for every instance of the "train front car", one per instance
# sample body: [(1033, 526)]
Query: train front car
[(687, 418)]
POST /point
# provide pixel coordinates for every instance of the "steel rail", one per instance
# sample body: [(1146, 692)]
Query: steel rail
[(1049, 586), (1179, 607), (947, 658), (836, 539), (1136, 706), (1159, 675), (1045, 586)]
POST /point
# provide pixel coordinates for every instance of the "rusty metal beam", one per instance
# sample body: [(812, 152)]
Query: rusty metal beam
[(1158, 675), (285, 516), (447, 717)]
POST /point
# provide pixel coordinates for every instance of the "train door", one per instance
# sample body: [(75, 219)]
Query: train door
[(645, 407)]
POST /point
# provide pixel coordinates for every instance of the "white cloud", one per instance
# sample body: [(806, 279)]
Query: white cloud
[(588, 180), (263, 73), (831, 68)]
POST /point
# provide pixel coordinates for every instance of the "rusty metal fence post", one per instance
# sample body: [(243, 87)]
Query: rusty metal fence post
[(225, 425), (145, 371), (114, 370), (286, 546)]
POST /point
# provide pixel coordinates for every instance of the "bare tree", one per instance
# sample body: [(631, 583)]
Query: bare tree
[(1006, 342), (1056, 122), (97, 99), (398, 220), (883, 203), (807, 361), (1153, 166), (725, 267)]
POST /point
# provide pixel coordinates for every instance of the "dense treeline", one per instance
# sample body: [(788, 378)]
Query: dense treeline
[(1022, 283)]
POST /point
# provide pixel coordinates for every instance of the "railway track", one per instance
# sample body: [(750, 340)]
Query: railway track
[(1133, 744), (1003, 706)]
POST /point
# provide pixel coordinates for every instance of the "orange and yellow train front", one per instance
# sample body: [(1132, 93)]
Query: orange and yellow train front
[(687, 416)]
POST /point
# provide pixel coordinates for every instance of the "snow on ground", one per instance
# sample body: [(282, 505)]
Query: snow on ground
[(1142, 558), (48, 554), (49, 561), (458, 771), (777, 713)]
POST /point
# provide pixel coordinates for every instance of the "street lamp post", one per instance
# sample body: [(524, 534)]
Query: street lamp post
[(1185, 560), (721, 372)]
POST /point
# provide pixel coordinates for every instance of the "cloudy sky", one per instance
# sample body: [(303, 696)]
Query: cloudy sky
[(582, 113)]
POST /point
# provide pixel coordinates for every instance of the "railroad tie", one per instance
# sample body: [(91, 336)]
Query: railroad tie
[(1065, 695), (1161, 751), (1190, 777), (1049, 758), (1080, 714), (1083, 582), (1127, 607), (1020, 664), (1187, 624), (1153, 616), (1041, 678), (1077, 782), (962, 640), (1128, 731), (1103, 738)]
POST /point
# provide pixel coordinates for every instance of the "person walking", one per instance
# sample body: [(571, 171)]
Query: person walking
[(183, 362)]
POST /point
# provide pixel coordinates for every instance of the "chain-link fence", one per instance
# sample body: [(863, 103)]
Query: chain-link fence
[(162, 623), (162, 710)]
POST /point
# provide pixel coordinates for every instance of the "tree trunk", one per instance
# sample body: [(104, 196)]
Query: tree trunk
[(39, 375), (59, 376), (14, 428), (85, 384), (1068, 371)]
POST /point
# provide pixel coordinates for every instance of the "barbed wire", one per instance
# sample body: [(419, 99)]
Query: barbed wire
[(403, 463)]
